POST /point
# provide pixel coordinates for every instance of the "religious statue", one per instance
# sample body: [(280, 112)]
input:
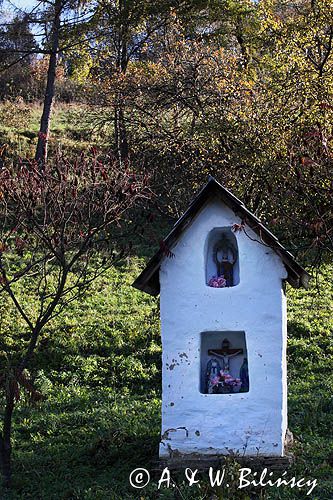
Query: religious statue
[(225, 354), (225, 257), (244, 376), (212, 375)]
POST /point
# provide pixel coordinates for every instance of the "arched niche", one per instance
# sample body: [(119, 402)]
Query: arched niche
[(222, 259)]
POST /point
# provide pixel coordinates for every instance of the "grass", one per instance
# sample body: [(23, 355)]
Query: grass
[(99, 368), (19, 126)]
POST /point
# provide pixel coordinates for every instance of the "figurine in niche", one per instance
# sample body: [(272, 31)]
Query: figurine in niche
[(225, 354), (225, 257), (244, 376), (212, 375)]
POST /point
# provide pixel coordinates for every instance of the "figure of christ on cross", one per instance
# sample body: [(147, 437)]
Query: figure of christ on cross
[(225, 354)]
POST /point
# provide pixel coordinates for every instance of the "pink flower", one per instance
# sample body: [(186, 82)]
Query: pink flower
[(217, 282)]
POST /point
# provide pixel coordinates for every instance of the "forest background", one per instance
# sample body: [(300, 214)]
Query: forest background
[(165, 93)]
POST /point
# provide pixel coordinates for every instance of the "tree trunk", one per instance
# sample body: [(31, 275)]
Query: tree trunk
[(5, 441), (121, 64), (43, 135), (120, 131), (5, 436)]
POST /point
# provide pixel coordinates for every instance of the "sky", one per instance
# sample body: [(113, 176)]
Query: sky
[(25, 5), (14, 6)]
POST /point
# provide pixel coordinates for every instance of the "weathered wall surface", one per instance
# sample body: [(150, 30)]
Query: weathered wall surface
[(249, 423)]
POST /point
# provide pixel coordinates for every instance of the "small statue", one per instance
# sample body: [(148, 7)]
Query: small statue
[(212, 375), (225, 354), (225, 257), (244, 376)]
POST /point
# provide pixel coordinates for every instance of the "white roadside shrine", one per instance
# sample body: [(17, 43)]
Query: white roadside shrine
[(224, 330)]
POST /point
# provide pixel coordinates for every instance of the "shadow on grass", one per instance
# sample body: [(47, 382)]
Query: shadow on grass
[(81, 441)]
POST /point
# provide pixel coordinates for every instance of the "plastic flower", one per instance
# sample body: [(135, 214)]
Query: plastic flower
[(217, 282)]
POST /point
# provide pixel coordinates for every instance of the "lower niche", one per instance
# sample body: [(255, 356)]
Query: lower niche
[(224, 364)]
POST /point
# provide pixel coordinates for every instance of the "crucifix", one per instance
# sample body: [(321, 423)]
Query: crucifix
[(225, 354)]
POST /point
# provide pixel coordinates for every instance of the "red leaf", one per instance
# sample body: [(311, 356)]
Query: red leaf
[(325, 105)]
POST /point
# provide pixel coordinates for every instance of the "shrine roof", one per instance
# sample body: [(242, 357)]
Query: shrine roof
[(148, 281)]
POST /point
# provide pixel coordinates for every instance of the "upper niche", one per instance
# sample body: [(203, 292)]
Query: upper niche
[(222, 260)]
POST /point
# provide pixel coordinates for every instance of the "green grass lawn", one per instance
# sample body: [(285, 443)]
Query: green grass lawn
[(99, 368)]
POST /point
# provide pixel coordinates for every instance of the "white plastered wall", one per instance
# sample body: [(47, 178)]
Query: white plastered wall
[(252, 423)]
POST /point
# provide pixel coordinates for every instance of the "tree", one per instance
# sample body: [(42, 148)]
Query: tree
[(180, 97), (41, 150), (124, 23), (259, 119), (57, 235), (61, 25), (125, 29), (63, 17), (285, 130), (15, 74)]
